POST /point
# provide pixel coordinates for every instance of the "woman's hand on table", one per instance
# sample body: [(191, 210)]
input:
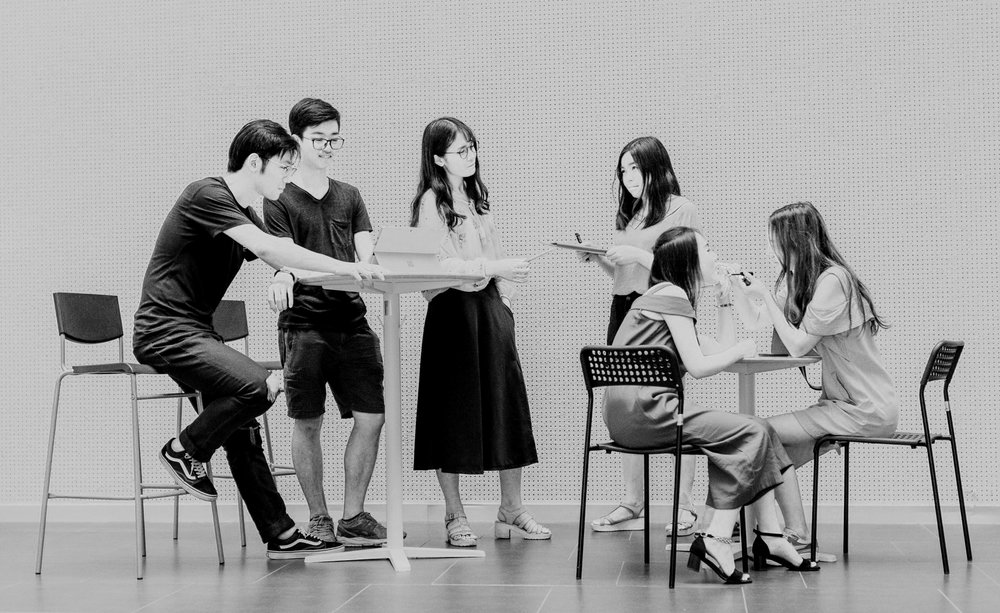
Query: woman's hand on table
[(748, 347)]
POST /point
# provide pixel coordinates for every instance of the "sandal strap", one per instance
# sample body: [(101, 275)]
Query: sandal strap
[(522, 519), (721, 539), (758, 532), (458, 527)]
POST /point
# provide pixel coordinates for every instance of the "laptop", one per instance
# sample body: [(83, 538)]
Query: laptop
[(409, 251)]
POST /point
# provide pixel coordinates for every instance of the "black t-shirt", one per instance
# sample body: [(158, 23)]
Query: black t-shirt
[(326, 225), (193, 262)]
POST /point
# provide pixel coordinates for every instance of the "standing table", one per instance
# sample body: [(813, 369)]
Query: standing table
[(391, 288)]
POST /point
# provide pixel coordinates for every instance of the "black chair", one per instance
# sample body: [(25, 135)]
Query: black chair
[(230, 321), (653, 365), (94, 319), (940, 367)]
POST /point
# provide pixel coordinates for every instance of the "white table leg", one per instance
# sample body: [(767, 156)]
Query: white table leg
[(394, 551)]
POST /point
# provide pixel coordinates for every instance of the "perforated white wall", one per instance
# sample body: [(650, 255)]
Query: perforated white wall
[(883, 114)]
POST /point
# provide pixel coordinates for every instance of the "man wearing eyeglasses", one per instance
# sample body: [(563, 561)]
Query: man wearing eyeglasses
[(324, 338), (207, 235)]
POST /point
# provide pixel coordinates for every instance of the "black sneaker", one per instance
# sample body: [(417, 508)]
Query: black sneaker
[(362, 530), (299, 545), (188, 472)]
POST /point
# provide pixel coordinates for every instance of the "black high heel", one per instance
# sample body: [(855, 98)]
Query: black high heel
[(699, 554), (762, 553)]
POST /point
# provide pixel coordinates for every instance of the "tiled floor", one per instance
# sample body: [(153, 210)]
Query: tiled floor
[(90, 567)]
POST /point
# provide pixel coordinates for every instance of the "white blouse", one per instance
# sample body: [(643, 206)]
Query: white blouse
[(467, 247)]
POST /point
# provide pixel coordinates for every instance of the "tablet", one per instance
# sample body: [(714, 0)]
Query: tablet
[(581, 247)]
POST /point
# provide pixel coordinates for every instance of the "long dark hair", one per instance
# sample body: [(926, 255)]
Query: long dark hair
[(438, 136), (675, 259), (661, 184), (805, 245)]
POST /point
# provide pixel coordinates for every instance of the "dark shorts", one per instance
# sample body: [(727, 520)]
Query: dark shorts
[(350, 362)]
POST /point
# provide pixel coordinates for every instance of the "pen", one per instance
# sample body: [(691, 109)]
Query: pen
[(742, 276)]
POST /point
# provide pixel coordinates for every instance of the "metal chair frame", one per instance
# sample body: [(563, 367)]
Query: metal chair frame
[(652, 365), (940, 367), (93, 319), (230, 322)]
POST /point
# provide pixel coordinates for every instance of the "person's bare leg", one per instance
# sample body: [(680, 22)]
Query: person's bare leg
[(798, 443), (359, 460), (307, 458), (511, 505)]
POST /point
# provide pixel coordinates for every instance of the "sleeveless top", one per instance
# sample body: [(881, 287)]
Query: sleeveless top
[(642, 416)]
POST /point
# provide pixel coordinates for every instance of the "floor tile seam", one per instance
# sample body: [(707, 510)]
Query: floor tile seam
[(544, 600), (444, 572), (949, 600), (273, 572), (356, 594), (985, 574), (165, 596)]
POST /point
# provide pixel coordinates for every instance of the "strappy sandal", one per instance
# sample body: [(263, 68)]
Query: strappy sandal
[(685, 526), (610, 523), (522, 524), (460, 533)]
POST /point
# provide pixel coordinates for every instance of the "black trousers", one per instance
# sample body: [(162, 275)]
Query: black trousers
[(234, 393)]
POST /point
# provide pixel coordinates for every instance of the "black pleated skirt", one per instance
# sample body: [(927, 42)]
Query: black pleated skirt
[(472, 405)]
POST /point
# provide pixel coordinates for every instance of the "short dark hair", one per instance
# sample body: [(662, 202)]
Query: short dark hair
[(263, 137), (310, 112)]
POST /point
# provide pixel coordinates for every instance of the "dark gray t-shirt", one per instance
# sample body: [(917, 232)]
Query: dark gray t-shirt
[(326, 225), (193, 262)]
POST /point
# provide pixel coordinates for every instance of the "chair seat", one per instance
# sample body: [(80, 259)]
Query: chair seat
[(615, 447), (115, 368), (898, 438)]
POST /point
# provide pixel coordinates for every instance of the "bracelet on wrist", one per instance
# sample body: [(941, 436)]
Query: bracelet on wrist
[(287, 272)]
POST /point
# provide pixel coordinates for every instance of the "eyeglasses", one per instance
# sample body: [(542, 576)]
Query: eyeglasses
[(320, 144), (287, 170), (465, 151)]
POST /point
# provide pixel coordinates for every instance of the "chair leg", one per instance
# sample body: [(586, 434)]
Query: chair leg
[(645, 506), (815, 502), (937, 507), (743, 539), (961, 496), (140, 533), (177, 499), (239, 512), (673, 514), (42, 520), (583, 512), (847, 485)]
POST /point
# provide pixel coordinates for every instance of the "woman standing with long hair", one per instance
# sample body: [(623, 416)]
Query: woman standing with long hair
[(649, 202), (472, 404)]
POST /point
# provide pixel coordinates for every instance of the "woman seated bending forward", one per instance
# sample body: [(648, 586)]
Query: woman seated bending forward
[(745, 457)]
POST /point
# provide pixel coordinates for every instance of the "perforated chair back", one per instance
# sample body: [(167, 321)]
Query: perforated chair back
[(88, 318), (655, 365), (230, 320), (941, 364)]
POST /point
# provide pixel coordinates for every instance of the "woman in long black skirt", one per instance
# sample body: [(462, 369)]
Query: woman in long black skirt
[(472, 406)]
